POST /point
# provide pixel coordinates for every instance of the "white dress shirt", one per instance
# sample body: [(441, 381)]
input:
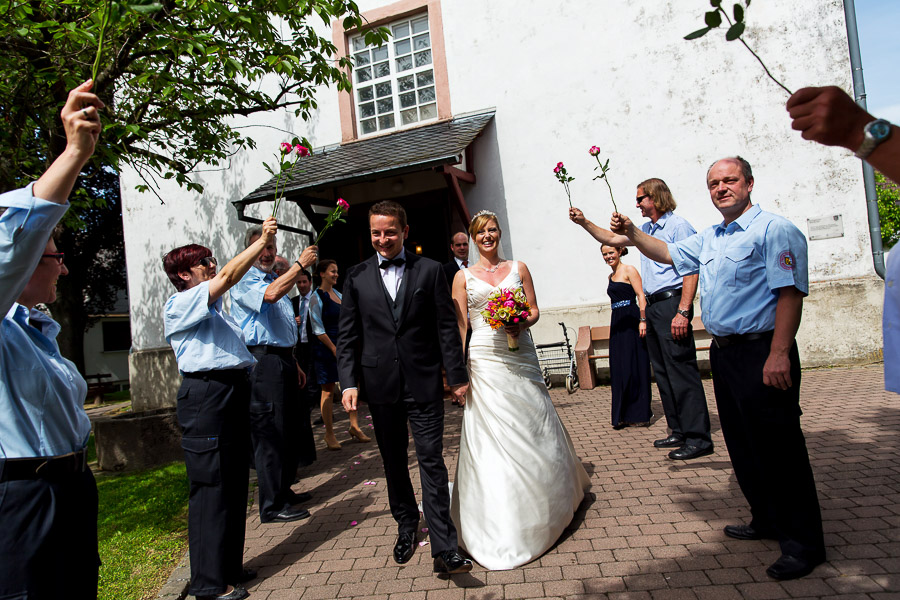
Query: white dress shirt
[(393, 275)]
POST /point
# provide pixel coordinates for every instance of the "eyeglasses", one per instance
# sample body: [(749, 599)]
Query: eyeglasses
[(639, 198), (208, 261), (57, 255)]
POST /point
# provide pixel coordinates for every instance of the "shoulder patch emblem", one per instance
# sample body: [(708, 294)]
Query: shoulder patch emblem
[(786, 260)]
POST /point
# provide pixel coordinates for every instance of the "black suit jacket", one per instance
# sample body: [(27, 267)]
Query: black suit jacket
[(377, 354), (450, 270)]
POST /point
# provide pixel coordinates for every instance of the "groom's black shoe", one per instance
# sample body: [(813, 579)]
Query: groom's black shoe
[(451, 562), (404, 548), (673, 441)]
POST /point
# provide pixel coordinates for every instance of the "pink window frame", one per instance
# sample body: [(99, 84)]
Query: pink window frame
[(383, 16)]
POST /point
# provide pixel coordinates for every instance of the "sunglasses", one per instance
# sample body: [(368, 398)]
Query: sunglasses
[(208, 261), (57, 255), (639, 198)]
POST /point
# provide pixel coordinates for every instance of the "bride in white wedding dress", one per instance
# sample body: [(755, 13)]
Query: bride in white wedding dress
[(518, 481)]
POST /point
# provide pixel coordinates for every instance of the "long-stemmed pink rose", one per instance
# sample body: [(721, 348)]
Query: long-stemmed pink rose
[(335, 216), (563, 177), (289, 154), (604, 168)]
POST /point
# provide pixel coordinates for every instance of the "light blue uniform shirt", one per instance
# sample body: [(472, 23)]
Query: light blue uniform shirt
[(41, 392), (741, 267), (203, 337), (891, 323), (264, 323), (660, 277)]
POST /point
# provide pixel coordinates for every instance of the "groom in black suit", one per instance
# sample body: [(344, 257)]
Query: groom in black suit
[(397, 327)]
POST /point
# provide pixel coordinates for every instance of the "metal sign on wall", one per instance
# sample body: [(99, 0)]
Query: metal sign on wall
[(824, 228)]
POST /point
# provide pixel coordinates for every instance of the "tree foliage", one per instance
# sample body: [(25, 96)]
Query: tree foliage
[(888, 209), (171, 72)]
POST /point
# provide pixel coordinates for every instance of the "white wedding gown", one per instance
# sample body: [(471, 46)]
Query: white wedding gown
[(518, 481)]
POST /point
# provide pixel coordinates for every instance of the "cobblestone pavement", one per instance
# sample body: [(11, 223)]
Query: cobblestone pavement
[(651, 527)]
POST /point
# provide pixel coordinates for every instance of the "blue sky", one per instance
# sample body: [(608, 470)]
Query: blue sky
[(878, 22)]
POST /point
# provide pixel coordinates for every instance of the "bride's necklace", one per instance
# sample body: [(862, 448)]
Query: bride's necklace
[(494, 268)]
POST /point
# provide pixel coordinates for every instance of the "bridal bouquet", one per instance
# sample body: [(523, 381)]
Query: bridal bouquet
[(505, 307)]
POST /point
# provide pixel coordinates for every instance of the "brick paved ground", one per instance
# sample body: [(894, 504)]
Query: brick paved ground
[(652, 528)]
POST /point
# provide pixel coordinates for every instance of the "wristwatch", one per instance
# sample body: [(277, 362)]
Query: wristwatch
[(874, 133), (684, 313)]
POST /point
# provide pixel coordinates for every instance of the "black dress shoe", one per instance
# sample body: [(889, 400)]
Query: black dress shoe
[(670, 442), (746, 532), (790, 567), (688, 452), (287, 515), (238, 593), (295, 498), (404, 548), (451, 562), (247, 575)]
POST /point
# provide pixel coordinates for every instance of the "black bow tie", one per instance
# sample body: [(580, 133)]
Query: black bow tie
[(396, 262)]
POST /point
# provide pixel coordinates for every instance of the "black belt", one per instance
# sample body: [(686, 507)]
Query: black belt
[(277, 350), (223, 375), (43, 467), (660, 296), (723, 341)]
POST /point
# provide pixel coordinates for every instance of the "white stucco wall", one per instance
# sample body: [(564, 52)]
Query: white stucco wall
[(563, 78)]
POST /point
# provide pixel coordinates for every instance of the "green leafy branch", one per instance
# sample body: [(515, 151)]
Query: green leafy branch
[(735, 31)]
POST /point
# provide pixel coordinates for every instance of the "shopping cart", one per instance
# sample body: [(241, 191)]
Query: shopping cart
[(558, 359)]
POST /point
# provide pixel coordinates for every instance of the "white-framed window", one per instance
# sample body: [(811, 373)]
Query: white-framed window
[(394, 83)]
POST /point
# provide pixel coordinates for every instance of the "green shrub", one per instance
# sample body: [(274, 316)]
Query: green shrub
[(888, 209)]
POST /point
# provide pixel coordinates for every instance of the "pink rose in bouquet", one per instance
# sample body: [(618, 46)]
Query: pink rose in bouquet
[(604, 169), (563, 177)]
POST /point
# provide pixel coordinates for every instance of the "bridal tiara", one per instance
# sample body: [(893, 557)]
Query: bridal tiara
[(484, 213)]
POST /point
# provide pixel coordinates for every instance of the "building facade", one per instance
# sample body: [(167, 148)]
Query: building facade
[(470, 105)]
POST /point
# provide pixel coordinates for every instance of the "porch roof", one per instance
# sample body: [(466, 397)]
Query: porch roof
[(373, 158)]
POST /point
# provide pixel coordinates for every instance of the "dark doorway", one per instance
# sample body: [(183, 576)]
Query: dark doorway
[(428, 216)]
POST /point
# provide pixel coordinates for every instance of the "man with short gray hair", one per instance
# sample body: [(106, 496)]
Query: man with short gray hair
[(260, 305)]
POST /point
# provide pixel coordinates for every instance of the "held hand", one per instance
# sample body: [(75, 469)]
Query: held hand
[(269, 229), (679, 327), (777, 371), (298, 320), (576, 216), (829, 116), (513, 329), (620, 224), (309, 256), (348, 399), (642, 329), (301, 376), (459, 394), (81, 121)]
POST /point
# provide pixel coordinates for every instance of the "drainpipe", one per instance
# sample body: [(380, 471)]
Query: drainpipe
[(859, 90)]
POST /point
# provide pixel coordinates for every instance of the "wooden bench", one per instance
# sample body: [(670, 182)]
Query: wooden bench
[(97, 387), (593, 345)]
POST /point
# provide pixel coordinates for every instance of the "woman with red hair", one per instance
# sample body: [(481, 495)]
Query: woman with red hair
[(213, 410)]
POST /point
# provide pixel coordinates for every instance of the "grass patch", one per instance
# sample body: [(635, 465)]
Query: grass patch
[(142, 529)]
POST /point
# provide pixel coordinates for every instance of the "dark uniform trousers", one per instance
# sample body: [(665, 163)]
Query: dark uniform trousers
[(48, 537), (274, 413), (309, 397), (761, 427), (677, 376), (212, 410), (426, 420)]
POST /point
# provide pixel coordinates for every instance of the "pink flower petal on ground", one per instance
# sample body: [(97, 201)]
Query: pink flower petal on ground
[(369, 483), (424, 530), (355, 462), (343, 477), (353, 523), (368, 416), (425, 543)]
